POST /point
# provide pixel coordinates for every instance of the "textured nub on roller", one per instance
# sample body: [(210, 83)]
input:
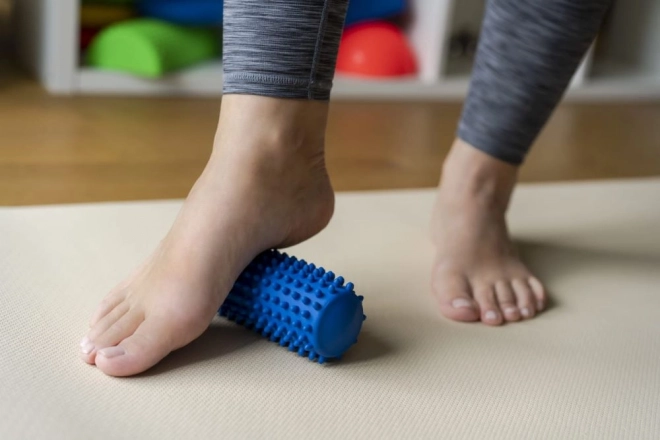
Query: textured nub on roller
[(296, 304)]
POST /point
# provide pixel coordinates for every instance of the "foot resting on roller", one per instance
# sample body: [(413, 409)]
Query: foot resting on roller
[(265, 186)]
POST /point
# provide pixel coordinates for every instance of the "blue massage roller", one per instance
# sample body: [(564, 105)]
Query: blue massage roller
[(296, 304)]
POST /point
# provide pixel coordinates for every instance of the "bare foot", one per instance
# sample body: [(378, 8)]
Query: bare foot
[(264, 186), (477, 274)]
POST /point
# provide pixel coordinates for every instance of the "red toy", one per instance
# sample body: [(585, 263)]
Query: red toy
[(375, 49)]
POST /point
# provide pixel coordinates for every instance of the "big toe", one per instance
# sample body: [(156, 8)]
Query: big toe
[(111, 330), (149, 344), (453, 294)]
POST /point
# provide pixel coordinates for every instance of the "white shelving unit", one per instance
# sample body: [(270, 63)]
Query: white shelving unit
[(624, 64)]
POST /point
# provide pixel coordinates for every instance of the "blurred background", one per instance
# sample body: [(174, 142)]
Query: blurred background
[(118, 99)]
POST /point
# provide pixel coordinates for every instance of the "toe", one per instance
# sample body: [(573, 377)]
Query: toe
[(117, 332), (106, 306), (539, 293), (150, 343), (87, 346), (525, 298), (453, 293), (507, 301), (108, 320), (490, 311)]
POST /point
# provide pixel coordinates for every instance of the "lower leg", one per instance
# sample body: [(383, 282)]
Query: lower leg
[(478, 275), (264, 186), (527, 54)]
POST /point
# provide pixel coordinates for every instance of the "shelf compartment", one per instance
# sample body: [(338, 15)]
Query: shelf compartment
[(467, 18)]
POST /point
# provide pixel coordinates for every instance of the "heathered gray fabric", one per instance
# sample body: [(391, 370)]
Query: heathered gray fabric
[(281, 48), (527, 54)]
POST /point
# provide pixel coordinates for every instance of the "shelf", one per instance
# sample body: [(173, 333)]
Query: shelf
[(467, 17), (631, 37), (624, 66), (205, 79), (619, 80), (399, 89), (459, 67), (427, 31), (606, 82)]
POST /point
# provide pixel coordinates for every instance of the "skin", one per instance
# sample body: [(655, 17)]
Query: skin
[(266, 186), (477, 275)]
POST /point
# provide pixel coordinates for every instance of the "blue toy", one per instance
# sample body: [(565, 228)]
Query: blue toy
[(184, 12), (297, 305), (361, 10)]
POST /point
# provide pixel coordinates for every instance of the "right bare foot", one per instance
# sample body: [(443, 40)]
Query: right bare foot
[(265, 186)]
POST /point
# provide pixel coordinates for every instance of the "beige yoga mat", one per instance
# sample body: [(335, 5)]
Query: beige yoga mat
[(588, 368)]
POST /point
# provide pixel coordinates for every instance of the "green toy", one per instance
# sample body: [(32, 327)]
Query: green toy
[(151, 48)]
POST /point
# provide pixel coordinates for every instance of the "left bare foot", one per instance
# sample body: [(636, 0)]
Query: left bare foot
[(477, 274)]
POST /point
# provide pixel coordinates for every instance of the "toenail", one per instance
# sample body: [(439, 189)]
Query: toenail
[(84, 341), (525, 312), (86, 346), (461, 303), (510, 310), (111, 352), (491, 315)]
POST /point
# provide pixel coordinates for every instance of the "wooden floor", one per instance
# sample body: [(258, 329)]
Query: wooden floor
[(82, 149)]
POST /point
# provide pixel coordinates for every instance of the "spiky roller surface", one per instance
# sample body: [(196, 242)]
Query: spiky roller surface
[(296, 304)]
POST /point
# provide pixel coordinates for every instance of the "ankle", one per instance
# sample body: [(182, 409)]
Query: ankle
[(471, 175), (272, 127)]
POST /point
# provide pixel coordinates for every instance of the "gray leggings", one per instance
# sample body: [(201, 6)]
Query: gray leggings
[(527, 54)]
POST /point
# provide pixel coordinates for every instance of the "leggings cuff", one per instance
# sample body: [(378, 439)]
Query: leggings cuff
[(493, 148), (276, 86)]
